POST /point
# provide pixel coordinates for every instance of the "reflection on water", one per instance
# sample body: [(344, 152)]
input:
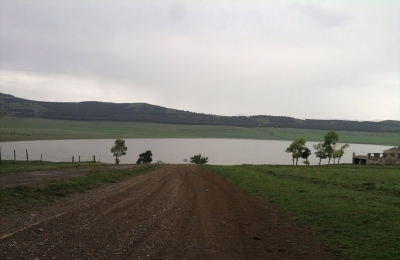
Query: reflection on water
[(219, 151)]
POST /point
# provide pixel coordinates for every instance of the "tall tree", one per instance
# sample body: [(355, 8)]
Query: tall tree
[(331, 138), (119, 149), (296, 148), (320, 152), (335, 155), (305, 155), (340, 152)]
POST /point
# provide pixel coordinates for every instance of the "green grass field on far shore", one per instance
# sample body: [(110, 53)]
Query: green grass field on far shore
[(354, 210), (13, 129)]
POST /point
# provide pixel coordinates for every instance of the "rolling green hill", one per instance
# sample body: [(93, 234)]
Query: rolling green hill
[(15, 107), (122, 112)]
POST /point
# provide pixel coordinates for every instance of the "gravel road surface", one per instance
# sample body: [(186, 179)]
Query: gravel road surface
[(175, 212)]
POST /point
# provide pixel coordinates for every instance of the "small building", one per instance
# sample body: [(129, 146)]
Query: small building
[(390, 156)]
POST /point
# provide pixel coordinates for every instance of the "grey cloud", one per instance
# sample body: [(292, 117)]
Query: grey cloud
[(323, 16), (239, 58), (177, 10)]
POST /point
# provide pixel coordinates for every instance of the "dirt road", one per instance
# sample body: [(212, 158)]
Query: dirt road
[(176, 212)]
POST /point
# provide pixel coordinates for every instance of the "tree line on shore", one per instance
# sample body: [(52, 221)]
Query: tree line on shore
[(324, 150), (119, 149)]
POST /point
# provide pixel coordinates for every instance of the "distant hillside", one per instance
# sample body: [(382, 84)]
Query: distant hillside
[(389, 126), (101, 111), (11, 106)]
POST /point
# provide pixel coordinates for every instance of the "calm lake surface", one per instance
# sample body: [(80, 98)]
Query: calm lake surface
[(219, 151)]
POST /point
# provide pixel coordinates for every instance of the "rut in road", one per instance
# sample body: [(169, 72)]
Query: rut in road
[(166, 214)]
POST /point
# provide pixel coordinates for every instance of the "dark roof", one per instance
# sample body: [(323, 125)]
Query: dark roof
[(392, 150)]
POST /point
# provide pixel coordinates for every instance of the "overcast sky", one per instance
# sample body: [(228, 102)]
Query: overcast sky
[(304, 59)]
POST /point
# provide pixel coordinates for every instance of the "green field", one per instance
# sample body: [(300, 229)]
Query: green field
[(354, 210), (26, 198), (22, 166), (40, 129)]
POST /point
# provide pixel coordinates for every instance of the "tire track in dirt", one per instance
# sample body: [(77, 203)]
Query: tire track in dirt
[(165, 214), (108, 196)]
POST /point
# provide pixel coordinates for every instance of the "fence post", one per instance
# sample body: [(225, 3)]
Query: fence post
[(72, 158), (26, 154), (14, 156), (94, 158), (79, 158)]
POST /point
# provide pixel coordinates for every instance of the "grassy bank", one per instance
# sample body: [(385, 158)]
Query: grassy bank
[(23, 166), (355, 210), (26, 198), (41, 129)]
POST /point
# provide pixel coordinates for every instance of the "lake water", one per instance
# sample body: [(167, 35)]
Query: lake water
[(219, 151)]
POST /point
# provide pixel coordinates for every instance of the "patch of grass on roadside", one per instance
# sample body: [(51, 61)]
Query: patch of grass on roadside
[(355, 210), (24, 198), (24, 166)]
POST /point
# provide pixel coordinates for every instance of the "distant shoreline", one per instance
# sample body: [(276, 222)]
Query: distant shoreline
[(30, 129)]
